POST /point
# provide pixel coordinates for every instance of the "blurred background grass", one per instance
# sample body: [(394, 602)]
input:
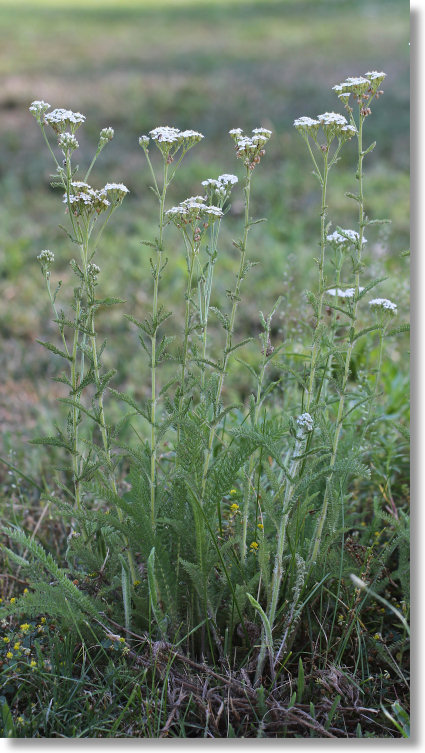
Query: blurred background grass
[(210, 66)]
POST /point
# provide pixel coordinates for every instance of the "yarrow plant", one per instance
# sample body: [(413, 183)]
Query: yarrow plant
[(228, 515)]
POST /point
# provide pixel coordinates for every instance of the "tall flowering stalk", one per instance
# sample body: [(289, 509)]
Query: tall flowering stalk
[(193, 217), (364, 89), (173, 145), (322, 131), (86, 207), (249, 149)]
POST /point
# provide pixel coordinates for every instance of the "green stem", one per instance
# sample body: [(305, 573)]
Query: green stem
[(338, 426), (193, 253), (280, 546), (316, 344), (154, 338), (229, 336)]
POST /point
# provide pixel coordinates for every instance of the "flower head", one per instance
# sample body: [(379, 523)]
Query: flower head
[(333, 125), (305, 422), (38, 108), (92, 271), (250, 149), (307, 125), (383, 304), (348, 293), (63, 120), (346, 236), (169, 139), (106, 134), (68, 142), (46, 257), (115, 192)]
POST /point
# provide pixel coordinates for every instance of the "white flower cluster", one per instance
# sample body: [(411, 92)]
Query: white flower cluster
[(383, 304), (93, 270), (106, 134), (305, 422), (170, 139), (350, 236), (360, 85), (250, 149), (46, 257), (332, 123), (38, 108), (220, 187), (348, 293), (193, 211), (67, 142), (63, 120), (115, 192), (84, 200)]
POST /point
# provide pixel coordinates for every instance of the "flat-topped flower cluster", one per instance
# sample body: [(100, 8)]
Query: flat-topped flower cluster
[(192, 211), (250, 149), (360, 86), (333, 125), (169, 140), (346, 236), (84, 200)]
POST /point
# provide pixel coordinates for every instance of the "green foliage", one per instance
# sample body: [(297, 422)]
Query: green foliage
[(171, 533)]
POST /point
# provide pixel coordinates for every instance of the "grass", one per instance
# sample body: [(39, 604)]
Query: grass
[(210, 66)]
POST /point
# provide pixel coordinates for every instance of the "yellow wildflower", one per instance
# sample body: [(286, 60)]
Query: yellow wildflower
[(20, 719), (234, 507), (253, 546), (16, 646), (12, 601), (6, 639), (43, 620), (33, 663), (260, 526), (122, 640), (136, 583), (233, 491), (25, 627), (9, 655), (25, 590)]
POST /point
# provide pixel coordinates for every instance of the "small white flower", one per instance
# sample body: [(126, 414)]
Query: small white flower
[(332, 118), (372, 75), (46, 257), (305, 422), (61, 120), (211, 182), (78, 184), (93, 270), (193, 137), (350, 236), (357, 80), (262, 131), (38, 108), (216, 211), (144, 141), (115, 192), (383, 304), (236, 132), (227, 179), (68, 142), (348, 293), (165, 134), (194, 200), (106, 134)]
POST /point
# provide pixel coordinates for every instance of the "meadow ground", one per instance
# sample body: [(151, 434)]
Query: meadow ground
[(213, 66)]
